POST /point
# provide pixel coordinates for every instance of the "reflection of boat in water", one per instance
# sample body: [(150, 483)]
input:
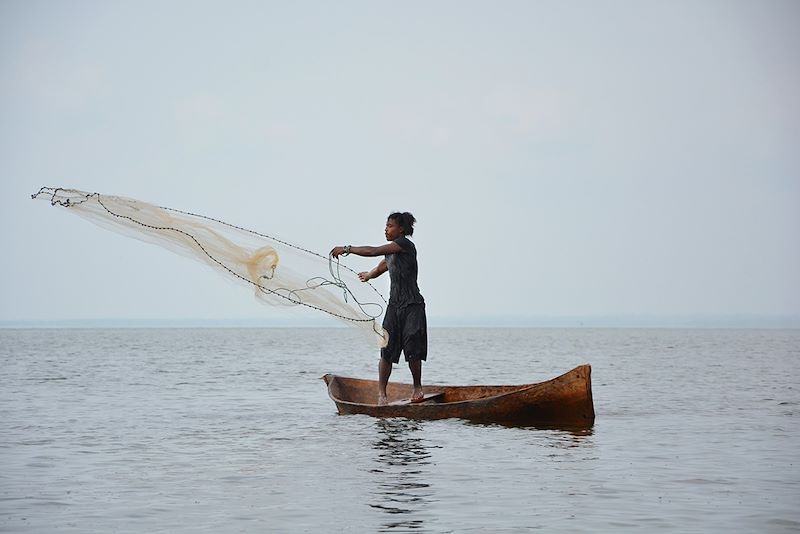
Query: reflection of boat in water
[(401, 474), (563, 401)]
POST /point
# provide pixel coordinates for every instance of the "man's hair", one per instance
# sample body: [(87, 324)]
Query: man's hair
[(405, 220)]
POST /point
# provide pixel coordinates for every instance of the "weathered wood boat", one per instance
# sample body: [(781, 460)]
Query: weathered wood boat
[(564, 401)]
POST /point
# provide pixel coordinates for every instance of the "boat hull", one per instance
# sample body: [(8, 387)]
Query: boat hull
[(564, 401)]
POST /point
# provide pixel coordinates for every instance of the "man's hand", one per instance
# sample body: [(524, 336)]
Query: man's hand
[(363, 276), (337, 251)]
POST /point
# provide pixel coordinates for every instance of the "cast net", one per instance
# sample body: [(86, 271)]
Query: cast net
[(278, 272)]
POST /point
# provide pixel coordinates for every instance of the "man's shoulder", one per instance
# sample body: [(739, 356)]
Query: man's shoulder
[(405, 243)]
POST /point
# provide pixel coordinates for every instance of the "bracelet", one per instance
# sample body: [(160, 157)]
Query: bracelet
[(347, 250)]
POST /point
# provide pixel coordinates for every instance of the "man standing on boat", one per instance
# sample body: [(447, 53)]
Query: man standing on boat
[(405, 319)]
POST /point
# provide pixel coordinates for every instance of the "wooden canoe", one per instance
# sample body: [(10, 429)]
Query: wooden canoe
[(564, 401)]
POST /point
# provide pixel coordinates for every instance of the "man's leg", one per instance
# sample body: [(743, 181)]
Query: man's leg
[(415, 365), (384, 371)]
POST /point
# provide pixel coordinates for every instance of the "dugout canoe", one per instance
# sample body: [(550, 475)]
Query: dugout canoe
[(564, 401)]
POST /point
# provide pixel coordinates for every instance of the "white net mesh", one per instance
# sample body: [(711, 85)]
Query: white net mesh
[(279, 273)]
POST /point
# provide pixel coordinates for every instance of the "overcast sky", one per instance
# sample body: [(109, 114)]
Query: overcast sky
[(581, 159)]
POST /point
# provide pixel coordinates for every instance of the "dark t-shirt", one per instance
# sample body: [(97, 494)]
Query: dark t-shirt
[(403, 274)]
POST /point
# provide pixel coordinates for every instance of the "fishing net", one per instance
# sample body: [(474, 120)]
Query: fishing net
[(278, 272)]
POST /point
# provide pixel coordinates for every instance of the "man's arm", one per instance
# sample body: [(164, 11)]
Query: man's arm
[(381, 268), (383, 250)]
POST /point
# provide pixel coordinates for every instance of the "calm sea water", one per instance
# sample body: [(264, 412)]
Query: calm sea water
[(231, 430)]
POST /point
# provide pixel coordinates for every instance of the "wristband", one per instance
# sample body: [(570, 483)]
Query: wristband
[(347, 250)]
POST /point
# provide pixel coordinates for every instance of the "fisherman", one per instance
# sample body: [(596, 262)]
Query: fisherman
[(405, 319)]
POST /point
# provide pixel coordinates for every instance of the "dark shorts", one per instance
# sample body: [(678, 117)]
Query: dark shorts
[(408, 332)]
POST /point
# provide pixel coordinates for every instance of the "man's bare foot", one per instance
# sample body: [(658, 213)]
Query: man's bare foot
[(382, 400), (418, 395)]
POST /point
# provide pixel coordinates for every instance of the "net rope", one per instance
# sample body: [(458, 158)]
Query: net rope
[(280, 272)]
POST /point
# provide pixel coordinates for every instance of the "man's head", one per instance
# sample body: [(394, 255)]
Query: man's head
[(398, 224)]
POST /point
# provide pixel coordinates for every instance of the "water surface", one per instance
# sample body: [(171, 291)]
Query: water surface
[(212, 430)]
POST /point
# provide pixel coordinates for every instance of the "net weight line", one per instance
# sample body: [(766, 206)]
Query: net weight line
[(291, 295)]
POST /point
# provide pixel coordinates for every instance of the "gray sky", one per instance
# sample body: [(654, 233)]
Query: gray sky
[(562, 158)]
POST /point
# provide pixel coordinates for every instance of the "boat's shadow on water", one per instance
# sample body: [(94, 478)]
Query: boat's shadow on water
[(402, 460), (575, 431), (401, 472)]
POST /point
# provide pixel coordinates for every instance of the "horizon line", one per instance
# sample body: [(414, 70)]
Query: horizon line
[(573, 321)]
